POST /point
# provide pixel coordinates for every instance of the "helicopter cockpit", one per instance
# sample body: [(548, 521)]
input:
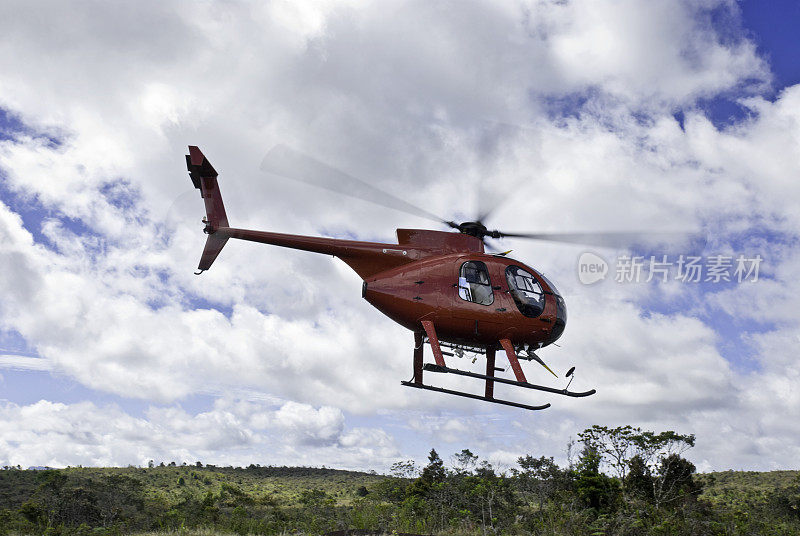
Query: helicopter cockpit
[(561, 306), (526, 291)]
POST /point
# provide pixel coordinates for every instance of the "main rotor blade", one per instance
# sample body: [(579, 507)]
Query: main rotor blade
[(287, 162), (613, 239), (485, 210), (488, 204)]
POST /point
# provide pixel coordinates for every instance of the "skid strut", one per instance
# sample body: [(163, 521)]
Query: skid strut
[(489, 377), (489, 373), (434, 340)]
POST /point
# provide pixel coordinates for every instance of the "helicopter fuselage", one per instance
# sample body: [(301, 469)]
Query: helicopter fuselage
[(419, 278), (431, 289)]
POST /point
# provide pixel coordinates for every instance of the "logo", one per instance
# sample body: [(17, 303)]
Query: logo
[(591, 268)]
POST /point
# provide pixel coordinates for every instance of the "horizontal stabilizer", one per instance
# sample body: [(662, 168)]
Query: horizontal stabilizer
[(214, 244)]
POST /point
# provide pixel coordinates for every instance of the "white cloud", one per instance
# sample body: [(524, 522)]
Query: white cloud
[(232, 432), (20, 362), (648, 50), (308, 425)]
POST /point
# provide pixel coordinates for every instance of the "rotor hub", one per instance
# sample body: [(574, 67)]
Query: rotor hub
[(474, 228)]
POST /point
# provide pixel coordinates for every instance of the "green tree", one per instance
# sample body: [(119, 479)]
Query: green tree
[(434, 471), (404, 469), (492, 496), (654, 459), (639, 481), (615, 446), (674, 481), (594, 488), (539, 479), (465, 461), (785, 501)]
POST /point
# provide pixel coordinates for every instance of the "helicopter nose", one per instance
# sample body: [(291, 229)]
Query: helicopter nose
[(561, 320)]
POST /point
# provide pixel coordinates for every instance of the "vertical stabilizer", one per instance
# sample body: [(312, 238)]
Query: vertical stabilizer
[(204, 178)]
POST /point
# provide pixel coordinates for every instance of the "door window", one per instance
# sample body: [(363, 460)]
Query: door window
[(474, 284)]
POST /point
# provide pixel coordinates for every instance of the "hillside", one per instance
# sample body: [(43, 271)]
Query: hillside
[(276, 500), (732, 488), (172, 484)]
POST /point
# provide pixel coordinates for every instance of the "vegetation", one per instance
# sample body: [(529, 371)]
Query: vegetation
[(623, 481)]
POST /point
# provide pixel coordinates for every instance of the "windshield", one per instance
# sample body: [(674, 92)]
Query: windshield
[(526, 291), (561, 306), (549, 283)]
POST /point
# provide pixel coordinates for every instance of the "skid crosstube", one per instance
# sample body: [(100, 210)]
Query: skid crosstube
[(476, 397), (440, 366), (430, 367)]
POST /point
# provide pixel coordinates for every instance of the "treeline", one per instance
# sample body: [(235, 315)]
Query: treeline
[(265, 471), (620, 481)]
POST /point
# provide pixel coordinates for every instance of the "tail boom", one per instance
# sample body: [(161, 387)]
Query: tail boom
[(365, 258)]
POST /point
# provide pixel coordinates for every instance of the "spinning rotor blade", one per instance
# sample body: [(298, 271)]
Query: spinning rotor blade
[(609, 239), (488, 204), (287, 162)]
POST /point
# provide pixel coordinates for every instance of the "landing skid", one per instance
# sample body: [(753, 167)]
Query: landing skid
[(489, 378), (476, 397), (430, 367)]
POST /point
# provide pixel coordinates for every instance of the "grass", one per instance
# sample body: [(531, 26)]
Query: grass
[(171, 484), (737, 488)]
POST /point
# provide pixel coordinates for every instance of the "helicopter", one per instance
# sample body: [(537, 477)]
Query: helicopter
[(443, 286)]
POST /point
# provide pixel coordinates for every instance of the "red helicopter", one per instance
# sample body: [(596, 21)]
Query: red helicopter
[(441, 285)]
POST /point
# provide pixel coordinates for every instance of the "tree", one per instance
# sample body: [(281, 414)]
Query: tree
[(616, 447), (430, 486), (639, 481), (434, 471), (539, 479), (653, 459), (465, 461), (786, 501), (491, 494), (404, 469), (593, 487), (674, 480)]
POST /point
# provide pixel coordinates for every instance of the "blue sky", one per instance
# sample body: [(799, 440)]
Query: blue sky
[(612, 117), (773, 28)]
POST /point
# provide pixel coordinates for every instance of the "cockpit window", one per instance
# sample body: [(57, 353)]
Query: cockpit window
[(474, 284), (526, 291), (549, 283)]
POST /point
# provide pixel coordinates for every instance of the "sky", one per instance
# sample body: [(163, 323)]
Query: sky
[(579, 115)]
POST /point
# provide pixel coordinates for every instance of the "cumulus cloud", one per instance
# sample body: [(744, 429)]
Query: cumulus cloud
[(567, 106), (308, 425), (233, 432)]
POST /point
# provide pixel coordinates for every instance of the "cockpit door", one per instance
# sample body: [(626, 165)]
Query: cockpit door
[(474, 284)]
